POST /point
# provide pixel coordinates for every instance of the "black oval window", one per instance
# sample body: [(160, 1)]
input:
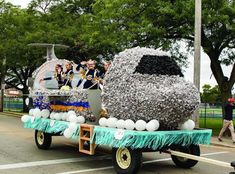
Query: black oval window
[(159, 65)]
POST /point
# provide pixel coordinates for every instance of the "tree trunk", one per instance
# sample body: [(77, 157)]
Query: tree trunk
[(225, 95), (1, 95), (223, 82), (2, 78)]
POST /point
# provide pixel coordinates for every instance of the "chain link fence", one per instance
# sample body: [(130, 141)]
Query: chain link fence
[(211, 116), (13, 104)]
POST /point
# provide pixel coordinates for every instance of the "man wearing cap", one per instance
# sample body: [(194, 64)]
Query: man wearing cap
[(228, 119)]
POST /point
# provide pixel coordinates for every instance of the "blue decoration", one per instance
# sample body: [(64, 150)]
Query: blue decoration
[(39, 103), (76, 104)]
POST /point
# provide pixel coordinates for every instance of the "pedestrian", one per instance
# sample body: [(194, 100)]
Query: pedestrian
[(58, 75), (228, 120)]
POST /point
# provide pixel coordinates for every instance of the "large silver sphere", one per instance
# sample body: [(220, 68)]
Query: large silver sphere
[(129, 94)]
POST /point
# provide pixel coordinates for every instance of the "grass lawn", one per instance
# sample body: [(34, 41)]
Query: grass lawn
[(212, 123)]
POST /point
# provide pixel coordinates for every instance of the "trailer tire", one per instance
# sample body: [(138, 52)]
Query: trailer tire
[(42, 139), (126, 160), (184, 162)]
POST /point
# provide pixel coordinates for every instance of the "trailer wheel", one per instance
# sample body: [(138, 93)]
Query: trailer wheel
[(185, 162), (126, 160), (42, 139)]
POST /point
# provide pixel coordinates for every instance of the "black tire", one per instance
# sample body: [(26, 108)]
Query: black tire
[(42, 139), (126, 160), (184, 162)]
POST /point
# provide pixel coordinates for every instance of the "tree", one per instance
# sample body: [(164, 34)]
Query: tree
[(21, 27), (116, 25), (4, 7), (210, 94), (16, 24)]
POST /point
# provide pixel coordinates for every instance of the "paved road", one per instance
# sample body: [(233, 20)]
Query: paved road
[(18, 154)]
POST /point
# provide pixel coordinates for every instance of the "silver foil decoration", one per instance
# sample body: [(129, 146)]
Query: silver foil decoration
[(128, 95)]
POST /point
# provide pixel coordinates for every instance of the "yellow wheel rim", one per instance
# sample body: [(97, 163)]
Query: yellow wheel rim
[(182, 159), (123, 158), (40, 137)]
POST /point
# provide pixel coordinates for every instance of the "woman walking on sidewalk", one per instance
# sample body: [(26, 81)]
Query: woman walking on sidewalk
[(228, 120)]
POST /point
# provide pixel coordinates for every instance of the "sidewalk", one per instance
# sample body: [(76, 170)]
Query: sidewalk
[(227, 142)]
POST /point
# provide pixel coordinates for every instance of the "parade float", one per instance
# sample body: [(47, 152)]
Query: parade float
[(145, 105)]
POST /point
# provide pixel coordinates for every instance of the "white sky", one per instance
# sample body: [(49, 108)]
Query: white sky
[(206, 74), (22, 3), (206, 77)]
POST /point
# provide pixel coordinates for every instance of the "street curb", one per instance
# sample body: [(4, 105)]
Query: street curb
[(222, 145), (12, 114)]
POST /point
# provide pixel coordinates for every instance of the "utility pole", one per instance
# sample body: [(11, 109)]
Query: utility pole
[(2, 84), (197, 52)]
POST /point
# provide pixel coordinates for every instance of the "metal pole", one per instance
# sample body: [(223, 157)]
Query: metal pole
[(205, 116), (197, 52)]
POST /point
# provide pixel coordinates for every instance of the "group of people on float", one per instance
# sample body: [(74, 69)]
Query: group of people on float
[(91, 77)]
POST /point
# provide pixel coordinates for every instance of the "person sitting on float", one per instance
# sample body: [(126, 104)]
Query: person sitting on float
[(90, 75), (68, 75), (106, 65), (58, 75)]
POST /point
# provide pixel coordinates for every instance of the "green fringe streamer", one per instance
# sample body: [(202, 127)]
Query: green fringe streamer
[(152, 140), (44, 124), (133, 139)]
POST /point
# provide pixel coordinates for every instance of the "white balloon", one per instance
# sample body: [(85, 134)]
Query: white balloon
[(73, 118), (52, 115), (151, 126), (37, 113), (45, 113), (57, 116), (111, 122), (27, 101), (25, 118), (68, 133), (103, 121), (62, 115), (120, 124), (81, 119), (156, 122), (140, 125), (129, 124), (185, 126), (67, 118), (31, 112), (190, 124), (71, 113), (72, 127)]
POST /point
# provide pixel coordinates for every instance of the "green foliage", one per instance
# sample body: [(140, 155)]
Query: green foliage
[(113, 25), (101, 28), (210, 94)]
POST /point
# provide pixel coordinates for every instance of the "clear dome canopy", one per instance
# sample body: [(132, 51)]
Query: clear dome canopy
[(47, 70)]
